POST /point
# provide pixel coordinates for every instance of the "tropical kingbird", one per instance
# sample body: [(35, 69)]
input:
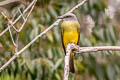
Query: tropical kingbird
[(70, 34)]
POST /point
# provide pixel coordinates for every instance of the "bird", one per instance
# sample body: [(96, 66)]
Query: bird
[(70, 33)]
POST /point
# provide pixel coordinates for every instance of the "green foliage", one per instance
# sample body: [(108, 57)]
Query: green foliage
[(44, 60)]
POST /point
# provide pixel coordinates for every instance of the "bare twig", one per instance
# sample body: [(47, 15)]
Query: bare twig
[(17, 39), (12, 37), (41, 34), (66, 62), (32, 3), (7, 2), (21, 14), (15, 43), (78, 49), (74, 8), (77, 6), (23, 49), (10, 22), (14, 15), (25, 19)]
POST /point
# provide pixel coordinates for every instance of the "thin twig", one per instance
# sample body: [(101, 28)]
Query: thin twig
[(25, 19), (78, 49), (23, 49), (77, 6), (9, 21), (21, 14), (41, 34), (17, 44), (7, 2), (12, 37), (18, 17), (66, 62), (14, 15), (74, 8)]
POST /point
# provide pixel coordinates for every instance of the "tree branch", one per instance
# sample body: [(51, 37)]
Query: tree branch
[(76, 49), (12, 37), (66, 62), (25, 19), (14, 22), (23, 49), (41, 34), (6, 2), (77, 6), (17, 42)]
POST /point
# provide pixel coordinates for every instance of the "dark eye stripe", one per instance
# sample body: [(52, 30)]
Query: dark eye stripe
[(68, 16)]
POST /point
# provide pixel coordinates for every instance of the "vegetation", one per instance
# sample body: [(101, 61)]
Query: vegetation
[(44, 60)]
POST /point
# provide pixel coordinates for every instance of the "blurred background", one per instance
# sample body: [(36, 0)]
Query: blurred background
[(44, 60)]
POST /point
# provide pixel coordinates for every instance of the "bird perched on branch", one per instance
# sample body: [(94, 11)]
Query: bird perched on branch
[(70, 34)]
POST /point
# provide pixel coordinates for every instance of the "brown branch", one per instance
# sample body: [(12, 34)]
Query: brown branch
[(37, 37), (16, 49), (21, 14), (7, 2), (9, 22), (12, 37), (78, 49), (17, 42), (77, 6), (14, 22), (23, 49), (74, 8), (25, 19), (66, 62)]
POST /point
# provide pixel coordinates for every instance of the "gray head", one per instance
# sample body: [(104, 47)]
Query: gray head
[(68, 17)]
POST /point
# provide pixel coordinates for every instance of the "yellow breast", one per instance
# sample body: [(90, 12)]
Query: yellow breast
[(70, 32)]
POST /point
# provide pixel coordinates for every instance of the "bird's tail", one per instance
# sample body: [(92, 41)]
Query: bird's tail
[(71, 63)]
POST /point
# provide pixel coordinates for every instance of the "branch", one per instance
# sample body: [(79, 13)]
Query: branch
[(21, 14), (77, 6), (78, 49), (7, 2), (18, 18), (18, 53), (12, 37), (41, 34), (66, 62), (25, 19), (17, 44)]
